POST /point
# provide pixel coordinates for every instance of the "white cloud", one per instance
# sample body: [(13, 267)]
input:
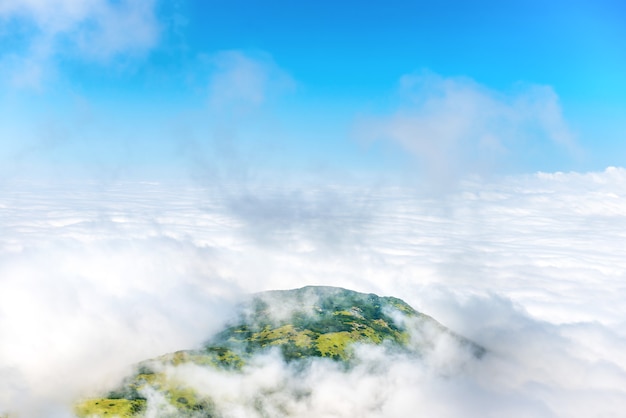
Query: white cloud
[(92, 29), (532, 267), (239, 130), (245, 79), (457, 127)]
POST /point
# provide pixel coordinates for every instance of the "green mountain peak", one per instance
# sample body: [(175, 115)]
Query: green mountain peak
[(300, 325)]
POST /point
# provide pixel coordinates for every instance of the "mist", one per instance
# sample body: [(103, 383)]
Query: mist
[(95, 278)]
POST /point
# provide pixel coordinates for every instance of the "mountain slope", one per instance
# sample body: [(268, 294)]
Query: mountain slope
[(296, 325)]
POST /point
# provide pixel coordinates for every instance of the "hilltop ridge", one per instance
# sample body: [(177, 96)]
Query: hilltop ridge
[(300, 325)]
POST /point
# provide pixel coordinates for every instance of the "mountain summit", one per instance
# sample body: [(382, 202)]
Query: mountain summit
[(295, 327)]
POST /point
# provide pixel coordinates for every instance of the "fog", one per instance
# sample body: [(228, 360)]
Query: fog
[(96, 277)]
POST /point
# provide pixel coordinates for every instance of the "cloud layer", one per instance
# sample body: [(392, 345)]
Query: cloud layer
[(96, 277)]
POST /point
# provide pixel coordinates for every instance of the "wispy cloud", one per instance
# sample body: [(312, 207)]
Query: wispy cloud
[(93, 30), (233, 136), (245, 79), (456, 127)]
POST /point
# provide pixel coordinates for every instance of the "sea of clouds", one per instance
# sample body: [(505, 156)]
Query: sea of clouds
[(95, 277)]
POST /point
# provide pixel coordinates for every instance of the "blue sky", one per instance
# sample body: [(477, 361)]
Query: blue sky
[(154, 88)]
